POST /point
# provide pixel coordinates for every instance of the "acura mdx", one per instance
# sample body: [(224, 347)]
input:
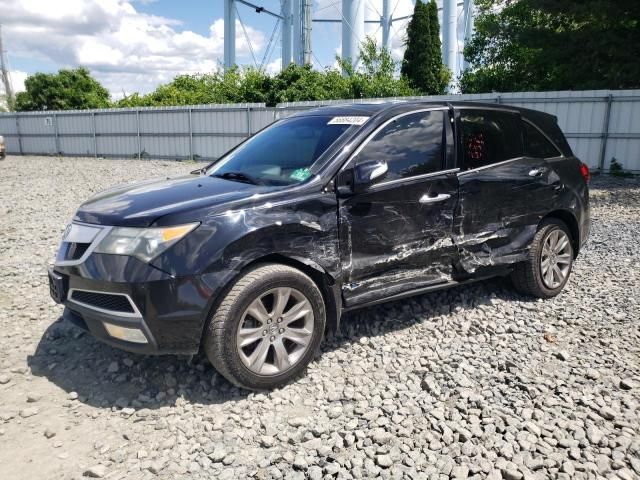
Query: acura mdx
[(255, 256)]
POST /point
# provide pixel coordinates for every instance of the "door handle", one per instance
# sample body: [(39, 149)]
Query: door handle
[(536, 172), (438, 198)]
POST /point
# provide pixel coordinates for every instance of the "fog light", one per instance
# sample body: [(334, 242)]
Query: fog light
[(134, 335)]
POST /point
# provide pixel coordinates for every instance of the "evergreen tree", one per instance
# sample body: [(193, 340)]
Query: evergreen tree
[(422, 63)]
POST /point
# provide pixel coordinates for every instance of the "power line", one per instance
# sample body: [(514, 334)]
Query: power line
[(270, 44), (246, 35), (394, 9), (373, 8), (274, 48)]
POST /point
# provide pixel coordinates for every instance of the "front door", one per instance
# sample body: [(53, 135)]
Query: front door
[(396, 235)]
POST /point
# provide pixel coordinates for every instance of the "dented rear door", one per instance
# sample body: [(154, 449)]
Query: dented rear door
[(503, 193)]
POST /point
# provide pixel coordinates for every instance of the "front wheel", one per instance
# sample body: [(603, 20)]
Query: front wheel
[(546, 271), (267, 329)]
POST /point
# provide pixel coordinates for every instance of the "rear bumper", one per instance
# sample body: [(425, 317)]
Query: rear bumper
[(168, 313)]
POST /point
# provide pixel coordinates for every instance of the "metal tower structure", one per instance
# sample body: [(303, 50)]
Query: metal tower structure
[(295, 19), (4, 70)]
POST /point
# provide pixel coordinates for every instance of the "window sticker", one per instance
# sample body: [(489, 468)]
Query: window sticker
[(300, 174), (351, 120)]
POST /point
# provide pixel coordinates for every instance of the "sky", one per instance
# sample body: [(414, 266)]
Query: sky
[(135, 45)]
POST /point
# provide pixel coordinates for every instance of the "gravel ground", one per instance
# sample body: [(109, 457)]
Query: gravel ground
[(474, 382)]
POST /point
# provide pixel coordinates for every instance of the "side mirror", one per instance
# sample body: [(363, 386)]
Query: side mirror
[(365, 173)]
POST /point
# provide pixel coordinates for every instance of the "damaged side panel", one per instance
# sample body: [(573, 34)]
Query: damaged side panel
[(392, 243), (499, 209), (305, 228)]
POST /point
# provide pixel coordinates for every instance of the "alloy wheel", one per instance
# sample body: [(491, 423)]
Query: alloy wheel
[(275, 331), (555, 261)]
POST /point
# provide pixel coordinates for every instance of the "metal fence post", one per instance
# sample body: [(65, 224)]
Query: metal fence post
[(138, 128), (605, 133), (95, 139), (248, 122), (55, 130), (18, 133), (190, 135)]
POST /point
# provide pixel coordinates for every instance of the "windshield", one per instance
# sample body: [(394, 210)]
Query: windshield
[(284, 153)]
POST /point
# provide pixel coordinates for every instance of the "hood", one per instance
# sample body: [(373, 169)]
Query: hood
[(140, 204)]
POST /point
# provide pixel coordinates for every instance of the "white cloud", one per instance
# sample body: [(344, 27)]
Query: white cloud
[(125, 49), (274, 66), (17, 81)]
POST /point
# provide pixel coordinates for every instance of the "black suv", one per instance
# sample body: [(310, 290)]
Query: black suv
[(253, 257)]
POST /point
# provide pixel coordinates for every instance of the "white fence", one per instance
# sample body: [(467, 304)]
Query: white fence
[(196, 132), (600, 125)]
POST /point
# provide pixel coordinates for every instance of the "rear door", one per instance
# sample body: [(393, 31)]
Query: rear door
[(396, 235), (504, 191)]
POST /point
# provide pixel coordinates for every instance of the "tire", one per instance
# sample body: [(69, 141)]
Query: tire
[(261, 364), (529, 276)]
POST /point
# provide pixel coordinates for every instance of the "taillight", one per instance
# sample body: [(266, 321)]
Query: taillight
[(584, 170)]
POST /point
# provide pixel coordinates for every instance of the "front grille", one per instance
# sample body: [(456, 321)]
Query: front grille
[(105, 301), (77, 250)]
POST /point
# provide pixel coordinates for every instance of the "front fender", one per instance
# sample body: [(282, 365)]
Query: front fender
[(305, 230)]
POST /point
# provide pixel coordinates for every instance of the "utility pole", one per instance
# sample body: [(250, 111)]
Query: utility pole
[(6, 79), (229, 34), (352, 29), (306, 32), (450, 35), (386, 24), (287, 31)]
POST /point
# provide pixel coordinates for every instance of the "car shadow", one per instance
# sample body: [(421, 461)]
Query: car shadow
[(105, 377)]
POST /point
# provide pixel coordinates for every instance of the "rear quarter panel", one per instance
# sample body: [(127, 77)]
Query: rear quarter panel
[(575, 193)]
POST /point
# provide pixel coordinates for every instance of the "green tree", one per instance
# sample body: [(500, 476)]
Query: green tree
[(233, 86), (66, 90), (422, 64), (299, 83), (537, 45), (376, 76)]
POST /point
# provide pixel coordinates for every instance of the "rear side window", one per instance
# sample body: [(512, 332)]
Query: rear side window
[(536, 144), (411, 145), (489, 137)]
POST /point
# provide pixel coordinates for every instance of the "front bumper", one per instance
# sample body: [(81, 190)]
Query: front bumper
[(168, 312)]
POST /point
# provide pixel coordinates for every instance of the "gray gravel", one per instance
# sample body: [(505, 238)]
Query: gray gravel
[(474, 382)]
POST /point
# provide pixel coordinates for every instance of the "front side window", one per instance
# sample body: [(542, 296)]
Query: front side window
[(536, 144), (489, 137), (411, 145), (284, 153)]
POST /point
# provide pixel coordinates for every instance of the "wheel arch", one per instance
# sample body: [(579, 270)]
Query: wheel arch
[(571, 222), (329, 289)]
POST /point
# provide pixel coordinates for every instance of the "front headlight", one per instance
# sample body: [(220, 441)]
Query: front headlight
[(143, 243)]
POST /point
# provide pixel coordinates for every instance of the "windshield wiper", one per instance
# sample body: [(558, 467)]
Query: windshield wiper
[(238, 177)]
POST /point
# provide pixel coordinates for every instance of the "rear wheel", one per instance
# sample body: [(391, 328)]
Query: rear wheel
[(267, 329), (548, 267)]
